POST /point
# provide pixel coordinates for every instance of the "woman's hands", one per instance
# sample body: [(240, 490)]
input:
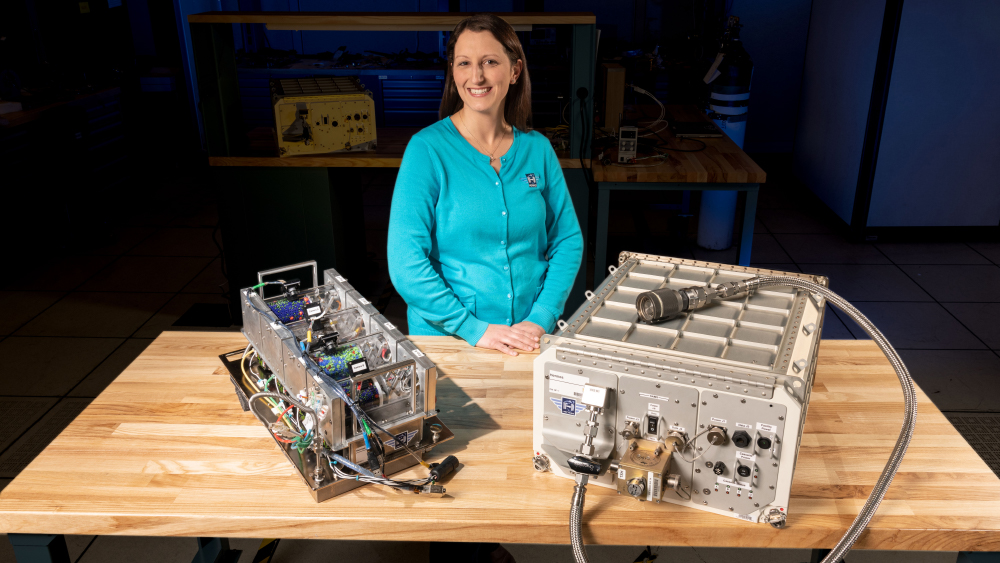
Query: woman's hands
[(508, 339)]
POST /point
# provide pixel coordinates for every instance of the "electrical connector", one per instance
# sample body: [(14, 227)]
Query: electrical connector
[(441, 470), (432, 490)]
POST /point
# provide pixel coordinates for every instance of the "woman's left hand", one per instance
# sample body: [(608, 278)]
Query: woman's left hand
[(529, 328)]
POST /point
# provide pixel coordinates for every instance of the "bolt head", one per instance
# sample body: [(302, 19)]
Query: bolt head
[(743, 400), (622, 391), (715, 396), (781, 418)]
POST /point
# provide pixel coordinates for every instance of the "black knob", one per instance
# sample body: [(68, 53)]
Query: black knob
[(361, 129), (743, 471), (357, 116), (719, 468), (741, 439), (364, 116), (334, 124), (348, 118), (764, 443)]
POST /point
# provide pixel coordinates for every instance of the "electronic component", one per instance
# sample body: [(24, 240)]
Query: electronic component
[(347, 396), (322, 115), (628, 137)]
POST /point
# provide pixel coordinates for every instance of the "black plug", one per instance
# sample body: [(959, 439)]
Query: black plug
[(443, 469), (376, 457)]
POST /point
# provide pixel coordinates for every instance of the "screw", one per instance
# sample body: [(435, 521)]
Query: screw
[(706, 502), (622, 391), (579, 371), (706, 491), (578, 424), (677, 400), (743, 400), (694, 405), (708, 464), (781, 418), (699, 449), (702, 425), (545, 417), (771, 487), (546, 377), (698, 470), (756, 504), (775, 464), (716, 396), (704, 403), (657, 385)]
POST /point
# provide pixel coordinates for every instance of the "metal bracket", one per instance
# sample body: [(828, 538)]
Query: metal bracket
[(315, 269)]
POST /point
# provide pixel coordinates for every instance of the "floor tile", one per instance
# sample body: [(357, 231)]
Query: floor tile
[(147, 273), (931, 253), (792, 221), (121, 240), (61, 273), (766, 249), (728, 256), (920, 326), (829, 249), (51, 366), (96, 314), (203, 216), (110, 368), (20, 307), (957, 284), (870, 282), (75, 545), (990, 250), (957, 380), (210, 280), (758, 227), (32, 442), (833, 327), (19, 414), (177, 306), (178, 241), (981, 319)]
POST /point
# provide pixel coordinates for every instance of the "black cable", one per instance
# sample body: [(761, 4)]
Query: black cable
[(657, 133)]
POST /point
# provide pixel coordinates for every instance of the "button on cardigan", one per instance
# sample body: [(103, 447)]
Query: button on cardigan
[(469, 247)]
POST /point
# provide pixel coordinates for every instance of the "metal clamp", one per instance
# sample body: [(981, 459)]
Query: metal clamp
[(589, 295), (315, 268), (562, 324), (612, 269)]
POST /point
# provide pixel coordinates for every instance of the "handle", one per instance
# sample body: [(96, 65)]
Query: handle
[(260, 275)]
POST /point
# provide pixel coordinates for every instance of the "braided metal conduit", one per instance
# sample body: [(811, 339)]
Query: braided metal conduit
[(895, 458)]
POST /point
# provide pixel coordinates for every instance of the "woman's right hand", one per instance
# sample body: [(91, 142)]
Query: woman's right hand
[(507, 339)]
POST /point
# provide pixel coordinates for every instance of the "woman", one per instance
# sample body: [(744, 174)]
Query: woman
[(483, 241)]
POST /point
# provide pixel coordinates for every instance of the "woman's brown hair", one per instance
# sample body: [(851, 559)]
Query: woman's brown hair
[(517, 104)]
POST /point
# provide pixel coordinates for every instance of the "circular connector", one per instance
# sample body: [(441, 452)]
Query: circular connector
[(719, 468), (636, 487), (743, 470), (741, 439), (717, 436), (764, 443), (357, 116), (541, 463)]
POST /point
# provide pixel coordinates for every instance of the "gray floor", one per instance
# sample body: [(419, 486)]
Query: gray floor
[(101, 304)]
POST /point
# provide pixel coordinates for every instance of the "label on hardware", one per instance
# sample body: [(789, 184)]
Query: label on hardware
[(341, 279), (677, 428), (621, 474), (746, 517), (314, 310), (766, 427), (418, 354), (390, 326), (633, 418), (653, 407), (569, 378), (383, 77), (561, 388), (719, 420), (308, 422), (732, 483), (653, 491), (364, 301), (358, 366), (593, 395), (745, 456), (747, 426), (648, 396), (569, 406)]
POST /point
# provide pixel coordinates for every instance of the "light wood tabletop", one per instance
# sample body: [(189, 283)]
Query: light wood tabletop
[(166, 450), (721, 161)]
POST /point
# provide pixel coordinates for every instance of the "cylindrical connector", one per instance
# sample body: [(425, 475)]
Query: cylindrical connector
[(661, 305)]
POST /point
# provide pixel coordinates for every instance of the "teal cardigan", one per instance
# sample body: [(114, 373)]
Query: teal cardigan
[(469, 247)]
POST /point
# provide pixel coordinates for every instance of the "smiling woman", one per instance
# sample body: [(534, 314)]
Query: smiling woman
[(484, 243)]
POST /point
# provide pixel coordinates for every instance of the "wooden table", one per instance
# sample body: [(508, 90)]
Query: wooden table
[(722, 165), (167, 451)]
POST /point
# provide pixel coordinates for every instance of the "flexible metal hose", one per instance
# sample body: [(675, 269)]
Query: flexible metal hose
[(895, 458), (909, 407), (575, 515)]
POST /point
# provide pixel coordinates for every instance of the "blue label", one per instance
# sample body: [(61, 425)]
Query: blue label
[(569, 406)]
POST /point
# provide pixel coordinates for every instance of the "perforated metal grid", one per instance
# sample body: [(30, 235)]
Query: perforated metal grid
[(320, 86), (34, 440), (982, 432)]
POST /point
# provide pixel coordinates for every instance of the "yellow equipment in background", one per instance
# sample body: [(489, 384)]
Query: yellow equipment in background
[(321, 115)]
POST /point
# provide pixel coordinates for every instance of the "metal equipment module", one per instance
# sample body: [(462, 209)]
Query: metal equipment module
[(323, 115), (348, 398), (688, 382)]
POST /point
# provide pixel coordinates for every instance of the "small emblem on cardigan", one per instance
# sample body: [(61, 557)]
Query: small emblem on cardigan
[(531, 180)]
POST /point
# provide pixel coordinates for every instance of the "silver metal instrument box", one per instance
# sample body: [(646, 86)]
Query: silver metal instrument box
[(711, 403)]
